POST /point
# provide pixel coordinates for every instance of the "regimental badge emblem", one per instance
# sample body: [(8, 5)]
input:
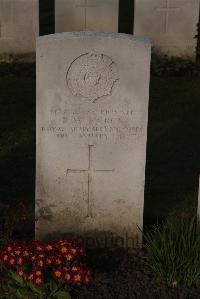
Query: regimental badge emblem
[(92, 76)]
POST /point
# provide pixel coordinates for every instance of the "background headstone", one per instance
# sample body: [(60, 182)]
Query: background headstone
[(170, 24), (86, 15), (19, 26), (198, 208), (92, 109)]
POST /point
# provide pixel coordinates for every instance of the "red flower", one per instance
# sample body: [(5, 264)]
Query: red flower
[(64, 257), (38, 281), (74, 250), (58, 260), (9, 248), (48, 261), (20, 272), (39, 247), (5, 257), (57, 273), (38, 273), (12, 261), (76, 278), (67, 277), (64, 249), (75, 268), (69, 257), (40, 263), (49, 247), (31, 276), (32, 257), (25, 253), (18, 252), (19, 261)]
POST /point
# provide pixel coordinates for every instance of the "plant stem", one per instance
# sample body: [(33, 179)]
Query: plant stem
[(55, 291)]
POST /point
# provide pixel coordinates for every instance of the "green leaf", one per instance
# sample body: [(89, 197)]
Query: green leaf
[(35, 289), (62, 295), (51, 286), (9, 288), (17, 278), (23, 293), (19, 294)]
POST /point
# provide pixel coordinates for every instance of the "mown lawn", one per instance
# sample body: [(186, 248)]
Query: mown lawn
[(173, 151)]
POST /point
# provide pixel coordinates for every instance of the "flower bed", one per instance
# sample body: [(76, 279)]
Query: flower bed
[(44, 268)]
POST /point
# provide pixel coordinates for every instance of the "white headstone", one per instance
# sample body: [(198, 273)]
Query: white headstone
[(92, 109), (198, 207), (86, 15), (19, 26), (170, 24)]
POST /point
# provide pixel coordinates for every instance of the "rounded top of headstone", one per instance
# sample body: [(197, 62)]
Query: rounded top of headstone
[(91, 34)]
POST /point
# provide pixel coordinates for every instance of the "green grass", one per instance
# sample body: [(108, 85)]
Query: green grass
[(173, 151), (173, 250)]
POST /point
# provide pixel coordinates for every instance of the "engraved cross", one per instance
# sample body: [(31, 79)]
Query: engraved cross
[(85, 5), (167, 9), (90, 171)]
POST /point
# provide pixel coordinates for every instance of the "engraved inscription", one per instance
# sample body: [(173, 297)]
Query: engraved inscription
[(90, 172), (92, 75), (94, 125)]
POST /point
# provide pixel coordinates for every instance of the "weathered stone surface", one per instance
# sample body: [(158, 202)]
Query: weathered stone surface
[(19, 26), (170, 24), (86, 15), (198, 207), (92, 109)]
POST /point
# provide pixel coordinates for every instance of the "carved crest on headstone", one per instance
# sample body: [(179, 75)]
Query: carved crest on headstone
[(92, 75)]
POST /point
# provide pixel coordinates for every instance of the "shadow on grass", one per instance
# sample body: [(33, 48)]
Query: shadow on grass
[(173, 160)]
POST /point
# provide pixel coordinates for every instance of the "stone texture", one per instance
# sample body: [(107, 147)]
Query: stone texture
[(19, 26), (86, 15), (170, 24), (92, 109), (198, 207)]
